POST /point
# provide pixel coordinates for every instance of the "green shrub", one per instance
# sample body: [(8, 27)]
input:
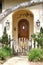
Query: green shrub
[(35, 55), (2, 54), (8, 50), (5, 52), (5, 37)]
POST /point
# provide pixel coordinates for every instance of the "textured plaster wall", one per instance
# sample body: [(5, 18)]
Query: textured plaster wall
[(36, 10), (8, 19)]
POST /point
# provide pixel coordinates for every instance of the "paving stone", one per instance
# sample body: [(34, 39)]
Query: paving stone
[(17, 61)]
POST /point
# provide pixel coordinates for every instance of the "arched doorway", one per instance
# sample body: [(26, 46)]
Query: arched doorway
[(23, 29), (23, 35)]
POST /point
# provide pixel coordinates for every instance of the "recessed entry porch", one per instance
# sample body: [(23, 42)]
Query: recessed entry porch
[(22, 28)]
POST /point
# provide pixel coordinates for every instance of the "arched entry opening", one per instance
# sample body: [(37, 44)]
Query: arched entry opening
[(23, 29), (23, 35)]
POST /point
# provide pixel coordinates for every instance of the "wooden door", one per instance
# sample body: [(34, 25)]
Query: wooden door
[(23, 29)]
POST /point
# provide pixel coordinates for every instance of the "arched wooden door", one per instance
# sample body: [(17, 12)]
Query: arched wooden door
[(23, 29), (23, 35)]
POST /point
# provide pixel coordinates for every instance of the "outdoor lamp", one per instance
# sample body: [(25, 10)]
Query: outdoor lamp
[(7, 25), (38, 23)]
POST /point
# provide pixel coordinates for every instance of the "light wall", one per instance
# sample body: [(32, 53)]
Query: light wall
[(3, 24), (36, 10)]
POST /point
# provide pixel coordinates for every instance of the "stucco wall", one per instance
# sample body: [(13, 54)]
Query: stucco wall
[(41, 15), (36, 10), (7, 19)]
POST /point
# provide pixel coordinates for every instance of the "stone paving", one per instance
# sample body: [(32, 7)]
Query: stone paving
[(36, 63), (21, 60), (17, 61)]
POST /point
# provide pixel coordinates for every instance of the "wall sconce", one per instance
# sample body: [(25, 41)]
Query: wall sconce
[(7, 25), (38, 23)]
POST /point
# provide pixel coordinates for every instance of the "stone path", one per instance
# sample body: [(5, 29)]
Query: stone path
[(17, 61), (36, 63)]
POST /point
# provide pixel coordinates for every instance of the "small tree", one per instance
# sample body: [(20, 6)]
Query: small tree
[(41, 30), (34, 37), (5, 37)]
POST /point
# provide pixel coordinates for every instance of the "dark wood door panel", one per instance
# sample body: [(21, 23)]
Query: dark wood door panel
[(23, 28)]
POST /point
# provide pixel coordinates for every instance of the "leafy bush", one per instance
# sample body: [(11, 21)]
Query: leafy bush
[(39, 39), (35, 55), (5, 52), (8, 50)]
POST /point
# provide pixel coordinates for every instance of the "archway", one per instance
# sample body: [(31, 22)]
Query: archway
[(23, 29), (23, 34)]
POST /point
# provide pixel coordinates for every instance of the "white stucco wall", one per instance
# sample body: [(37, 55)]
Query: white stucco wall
[(37, 12), (41, 15), (9, 19)]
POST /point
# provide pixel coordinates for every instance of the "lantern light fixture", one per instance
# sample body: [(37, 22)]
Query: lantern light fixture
[(38, 23)]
